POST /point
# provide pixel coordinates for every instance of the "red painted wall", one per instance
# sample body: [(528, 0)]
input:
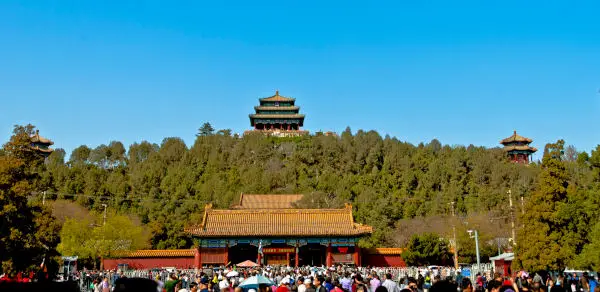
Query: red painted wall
[(378, 260), (213, 256), (217, 256), (149, 263)]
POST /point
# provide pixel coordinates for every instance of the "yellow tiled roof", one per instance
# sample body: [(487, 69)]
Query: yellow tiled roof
[(253, 201), (45, 150), (385, 250), (275, 108), (277, 116), (36, 138), (277, 97), (515, 138), (278, 222), (520, 147), (153, 253)]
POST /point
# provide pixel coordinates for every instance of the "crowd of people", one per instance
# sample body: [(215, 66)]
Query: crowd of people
[(344, 279)]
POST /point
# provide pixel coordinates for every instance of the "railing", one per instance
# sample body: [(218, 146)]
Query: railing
[(398, 274)]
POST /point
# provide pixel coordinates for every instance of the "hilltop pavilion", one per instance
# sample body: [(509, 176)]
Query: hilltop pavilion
[(517, 148), (278, 115), (40, 144)]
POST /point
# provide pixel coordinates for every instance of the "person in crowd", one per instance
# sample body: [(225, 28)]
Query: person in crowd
[(375, 282), (337, 286), (171, 283), (443, 286), (593, 283), (389, 284), (413, 285), (479, 280), (427, 283), (466, 285), (358, 280), (193, 287), (380, 289), (309, 285), (361, 288), (346, 282), (494, 286), (105, 285), (263, 288), (328, 284), (283, 286), (319, 281), (97, 285), (301, 285)]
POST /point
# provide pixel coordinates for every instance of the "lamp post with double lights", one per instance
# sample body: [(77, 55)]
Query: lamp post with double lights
[(474, 234)]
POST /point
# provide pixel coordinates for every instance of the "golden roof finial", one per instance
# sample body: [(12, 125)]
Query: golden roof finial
[(276, 92)]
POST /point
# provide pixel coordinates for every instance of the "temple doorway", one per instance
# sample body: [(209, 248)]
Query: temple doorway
[(312, 254), (279, 254), (242, 252)]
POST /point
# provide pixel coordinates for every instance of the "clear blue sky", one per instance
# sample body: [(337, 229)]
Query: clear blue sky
[(464, 72)]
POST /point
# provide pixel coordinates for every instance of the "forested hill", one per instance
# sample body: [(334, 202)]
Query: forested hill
[(385, 179)]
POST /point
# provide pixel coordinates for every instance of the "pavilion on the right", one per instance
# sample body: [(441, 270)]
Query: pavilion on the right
[(517, 148)]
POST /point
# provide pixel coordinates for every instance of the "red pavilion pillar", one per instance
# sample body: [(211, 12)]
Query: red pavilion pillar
[(259, 259), (226, 255), (329, 256), (198, 258), (356, 256), (296, 259), (287, 257)]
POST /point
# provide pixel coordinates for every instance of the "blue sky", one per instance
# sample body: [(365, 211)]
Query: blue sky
[(464, 72)]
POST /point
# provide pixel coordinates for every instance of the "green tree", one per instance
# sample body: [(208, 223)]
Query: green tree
[(543, 242), (387, 181), (589, 258), (206, 130), (80, 155), (427, 249), (89, 240), (28, 233)]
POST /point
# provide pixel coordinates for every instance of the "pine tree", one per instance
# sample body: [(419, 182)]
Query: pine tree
[(541, 244)]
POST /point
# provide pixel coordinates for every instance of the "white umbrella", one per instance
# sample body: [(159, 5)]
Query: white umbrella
[(232, 274)]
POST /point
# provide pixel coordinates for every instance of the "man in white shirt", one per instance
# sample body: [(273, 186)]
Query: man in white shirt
[(390, 285), (301, 287)]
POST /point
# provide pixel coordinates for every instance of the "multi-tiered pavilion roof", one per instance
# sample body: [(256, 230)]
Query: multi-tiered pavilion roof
[(279, 114), (518, 149), (41, 144)]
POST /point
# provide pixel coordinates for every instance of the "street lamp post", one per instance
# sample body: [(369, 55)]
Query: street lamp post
[(454, 235), (474, 234), (104, 217)]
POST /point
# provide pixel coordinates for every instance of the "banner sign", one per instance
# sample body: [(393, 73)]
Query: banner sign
[(278, 250)]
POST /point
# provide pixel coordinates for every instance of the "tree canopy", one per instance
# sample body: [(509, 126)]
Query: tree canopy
[(28, 231), (390, 183), (427, 249), (90, 240)]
